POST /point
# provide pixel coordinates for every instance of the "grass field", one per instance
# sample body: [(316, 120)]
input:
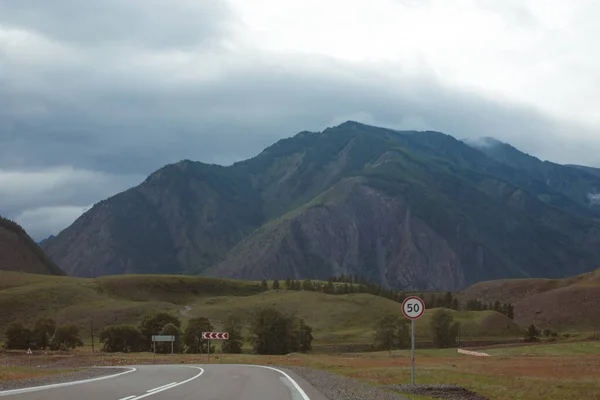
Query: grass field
[(338, 321)]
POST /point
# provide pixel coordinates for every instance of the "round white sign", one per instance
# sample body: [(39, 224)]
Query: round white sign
[(413, 307)]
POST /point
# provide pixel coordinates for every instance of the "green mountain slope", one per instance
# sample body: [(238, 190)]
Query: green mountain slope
[(19, 252), (415, 210), (581, 184)]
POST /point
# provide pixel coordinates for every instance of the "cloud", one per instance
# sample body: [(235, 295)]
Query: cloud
[(116, 89), (42, 200), (42, 222)]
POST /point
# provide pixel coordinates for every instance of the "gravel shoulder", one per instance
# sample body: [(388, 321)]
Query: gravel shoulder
[(337, 387), (78, 375), (449, 392)]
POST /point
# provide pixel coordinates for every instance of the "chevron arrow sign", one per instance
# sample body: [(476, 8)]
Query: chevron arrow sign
[(215, 335)]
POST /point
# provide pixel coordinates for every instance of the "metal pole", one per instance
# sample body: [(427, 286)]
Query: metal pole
[(154, 351), (412, 376), (92, 329), (208, 352), (220, 352), (172, 341)]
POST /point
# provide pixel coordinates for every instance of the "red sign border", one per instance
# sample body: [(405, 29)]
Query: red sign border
[(420, 301)]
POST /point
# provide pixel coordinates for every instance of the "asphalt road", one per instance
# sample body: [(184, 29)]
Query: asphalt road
[(181, 382)]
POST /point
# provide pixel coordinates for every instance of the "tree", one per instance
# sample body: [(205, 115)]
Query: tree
[(264, 286), (42, 333), (66, 337), (165, 347), (275, 284), (300, 334), (443, 328), (153, 324), (192, 336), (532, 334), (510, 311), (122, 339), (288, 283), (307, 285), (270, 329), (391, 332), (276, 333), (233, 326), (18, 336)]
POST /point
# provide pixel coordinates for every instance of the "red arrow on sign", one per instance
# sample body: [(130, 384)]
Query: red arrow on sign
[(215, 335)]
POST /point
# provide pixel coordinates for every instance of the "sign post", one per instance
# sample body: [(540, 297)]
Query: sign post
[(218, 336), (29, 352), (413, 308), (162, 338)]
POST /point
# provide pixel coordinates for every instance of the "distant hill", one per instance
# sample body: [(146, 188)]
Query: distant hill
[(19, 252), (340, 321), (404, 209), (565, 304)]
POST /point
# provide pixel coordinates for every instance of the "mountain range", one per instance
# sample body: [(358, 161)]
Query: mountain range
[(405, 209)]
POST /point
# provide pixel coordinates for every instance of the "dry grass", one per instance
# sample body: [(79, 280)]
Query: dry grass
[(17, 373)]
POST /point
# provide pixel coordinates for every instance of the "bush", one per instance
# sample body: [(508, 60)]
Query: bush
[(443, 328), (66, 338), (192, 336), (18, 336), (276, 333), (392, 332), (122, 338), (154, 324)]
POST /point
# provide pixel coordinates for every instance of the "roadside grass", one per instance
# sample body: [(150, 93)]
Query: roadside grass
[(558, 349), (17, 373)]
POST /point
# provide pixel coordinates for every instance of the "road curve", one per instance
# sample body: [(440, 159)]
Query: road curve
[(181, 382)]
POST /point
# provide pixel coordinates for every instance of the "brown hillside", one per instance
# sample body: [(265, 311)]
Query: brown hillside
[(571, 303), (18, 252)]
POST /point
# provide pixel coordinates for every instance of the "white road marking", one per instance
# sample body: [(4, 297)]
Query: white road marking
[(161, 387), (128, 398), (172, 386), (293, 382), (57, 385)]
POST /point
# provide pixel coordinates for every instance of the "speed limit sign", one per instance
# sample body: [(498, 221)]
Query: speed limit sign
[(413, 307)]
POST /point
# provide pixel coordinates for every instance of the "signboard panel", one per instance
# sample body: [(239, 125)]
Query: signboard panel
[(215, 335), (163, 338)]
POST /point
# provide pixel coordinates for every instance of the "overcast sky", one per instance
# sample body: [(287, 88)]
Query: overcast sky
[(96, 95)]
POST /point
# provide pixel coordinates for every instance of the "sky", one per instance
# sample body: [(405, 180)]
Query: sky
[(95, 96)]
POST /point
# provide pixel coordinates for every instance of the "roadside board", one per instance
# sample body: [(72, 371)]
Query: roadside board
[(163, 338), (215, 335), (413, 308)]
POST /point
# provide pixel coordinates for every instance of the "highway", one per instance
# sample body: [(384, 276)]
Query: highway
[(181, 382)]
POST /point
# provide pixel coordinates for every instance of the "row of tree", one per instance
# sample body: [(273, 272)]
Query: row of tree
[(271, 332), (44, 334), (345, 284)]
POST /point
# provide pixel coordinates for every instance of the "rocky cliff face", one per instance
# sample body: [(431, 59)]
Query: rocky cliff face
[(365, 232), (410, 210)]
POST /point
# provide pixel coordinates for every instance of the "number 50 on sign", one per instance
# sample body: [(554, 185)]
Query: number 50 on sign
[(413, 307)]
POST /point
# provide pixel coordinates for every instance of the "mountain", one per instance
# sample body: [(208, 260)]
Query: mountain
[(19, 252), (41, 242), (578, 182), (405, 209)]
